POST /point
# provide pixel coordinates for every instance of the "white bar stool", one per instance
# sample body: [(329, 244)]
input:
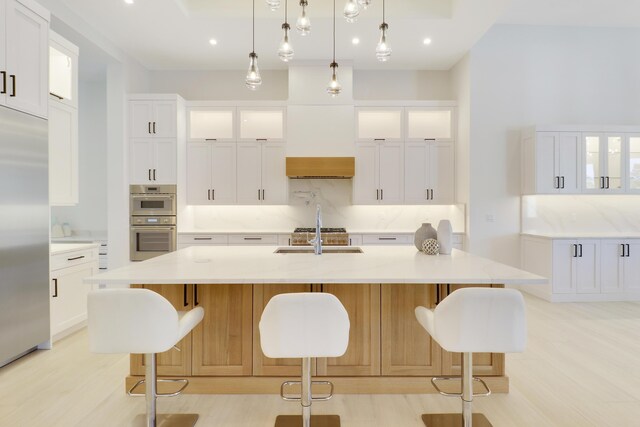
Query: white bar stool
[(305, 325), (474, 320), (143, 322)]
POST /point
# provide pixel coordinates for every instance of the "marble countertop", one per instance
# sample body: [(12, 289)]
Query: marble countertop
[(289, 231), (585, 235), (259, 264), (61, 248)]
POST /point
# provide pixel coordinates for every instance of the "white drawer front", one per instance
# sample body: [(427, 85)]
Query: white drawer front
[(253, 239), (70, 259), (202, 239), (387, 239)]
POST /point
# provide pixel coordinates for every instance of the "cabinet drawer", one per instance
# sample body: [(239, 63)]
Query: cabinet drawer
[(202, 239), (70, 259), (253, 239), (387, 239)]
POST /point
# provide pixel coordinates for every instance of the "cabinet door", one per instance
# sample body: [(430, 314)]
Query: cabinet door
[(430, 124), (483, 363), (69, 303), (223, 174), (27, 59), (140, 119), (632, 171), (564, 252), (366, 186), (416, 173), (546, 162), (391, 161), (631, 276), (611, 265), (141, 161), (63, 70), (407, 349), (362, 358), (199, 173), (165, 119), (591, 154), (567, 155), (63, 154), (249, 173), (614, 163), (262, 365), (274, 176), (211, 124), (3, 51), (379, 124), (171, 362), (222, 342), (587, 272), (164, 162), (261, 124), (441, 173)]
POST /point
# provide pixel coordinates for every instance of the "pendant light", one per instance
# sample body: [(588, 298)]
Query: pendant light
[(303, 24), (364, 3), (383, 51), (285, 51), (334, 87), (253, 79), (273, 4), (351, 11)]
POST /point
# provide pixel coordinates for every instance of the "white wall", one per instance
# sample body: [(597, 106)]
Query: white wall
[(525, 75), (402, 84)]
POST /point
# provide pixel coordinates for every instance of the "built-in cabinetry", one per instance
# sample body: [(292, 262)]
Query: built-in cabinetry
[(580, 160), (404, 155), (69, 267), (583, 269), (63, 122), (236, 156), (154, 128), (24, 54)]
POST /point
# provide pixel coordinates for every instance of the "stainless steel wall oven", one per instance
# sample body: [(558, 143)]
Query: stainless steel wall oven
[(153, 221)]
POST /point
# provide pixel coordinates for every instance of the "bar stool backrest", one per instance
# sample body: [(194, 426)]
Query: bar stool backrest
[(478, 320), (300, 325), (131, 321)]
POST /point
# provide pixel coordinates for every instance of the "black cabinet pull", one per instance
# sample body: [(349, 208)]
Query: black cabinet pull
[(4, 82), (556, 182), (261, 139), (154, 127), (263, 194), (379, 139), (602, 182), (381, 194), (387, 238), (55, 288), (202, 238), (149, 174), (13, 85), (211, 139), (154, 174), (575, 251), (437, 294), (378, 194), (149, 123), (184, 296), (562, 186), (622, 245), (432, 194), (195, 295), (213, 194), (75, 258), (448, 288), (628, 250), (56, 95), (208, 194), (608, 183), (253, 238), (258, 194), (580, 244), (429, 139)]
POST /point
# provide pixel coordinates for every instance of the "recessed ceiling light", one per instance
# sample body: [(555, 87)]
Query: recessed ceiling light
[(213, 42), (128, 1), (355, 40), (427, 41)]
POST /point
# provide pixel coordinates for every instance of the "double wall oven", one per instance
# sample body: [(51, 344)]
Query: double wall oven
[(153, 221)]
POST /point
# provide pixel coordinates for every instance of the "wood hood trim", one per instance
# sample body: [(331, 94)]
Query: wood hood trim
[(321, 167)]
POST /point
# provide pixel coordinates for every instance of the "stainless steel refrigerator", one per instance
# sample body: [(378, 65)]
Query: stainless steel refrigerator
[(24, 234)]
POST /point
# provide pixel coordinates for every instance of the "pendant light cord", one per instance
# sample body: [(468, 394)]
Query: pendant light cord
[(383, 20), (334, 31), (286, 20), (253, 23)]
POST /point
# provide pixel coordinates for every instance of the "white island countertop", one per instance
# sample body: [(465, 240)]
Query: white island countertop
[(259, 264)]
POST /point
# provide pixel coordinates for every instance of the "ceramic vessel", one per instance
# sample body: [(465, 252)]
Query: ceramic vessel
[(430, 247), (445, 236), (426, 231)]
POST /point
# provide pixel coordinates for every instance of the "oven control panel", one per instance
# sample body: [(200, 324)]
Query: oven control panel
[(153, 220)]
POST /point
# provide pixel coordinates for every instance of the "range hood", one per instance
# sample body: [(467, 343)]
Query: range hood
[(321, 167)]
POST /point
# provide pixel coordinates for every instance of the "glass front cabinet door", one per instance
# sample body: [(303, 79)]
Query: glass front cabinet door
[(603, 164), (633, 163)]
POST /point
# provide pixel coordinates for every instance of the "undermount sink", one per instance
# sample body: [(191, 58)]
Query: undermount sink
[(325, 250)]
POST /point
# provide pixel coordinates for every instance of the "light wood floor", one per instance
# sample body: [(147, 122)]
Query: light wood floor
[(581, 368)]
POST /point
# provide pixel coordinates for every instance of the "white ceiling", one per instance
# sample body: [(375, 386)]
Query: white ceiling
[(174, 34)]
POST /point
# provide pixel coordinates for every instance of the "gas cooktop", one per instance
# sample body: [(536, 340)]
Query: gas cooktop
[(322, 230)]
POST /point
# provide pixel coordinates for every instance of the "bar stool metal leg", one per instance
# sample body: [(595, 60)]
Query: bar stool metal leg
[(467, 418)]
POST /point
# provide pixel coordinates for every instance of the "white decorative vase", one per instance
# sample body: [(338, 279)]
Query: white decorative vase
[(445, 236), (423, 233)]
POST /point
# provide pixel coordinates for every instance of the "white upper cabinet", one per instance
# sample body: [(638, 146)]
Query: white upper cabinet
[(431, 124), (24, 57), (261, 177), (274, 176), (211, 173), (261, 124), (63, 154), (63, 70), (211, 124), (366, 182), (633, 163), (550, 162), (602, 162), (153, 161), (379, 124), (152, 119), (429, 173), (379, 177)]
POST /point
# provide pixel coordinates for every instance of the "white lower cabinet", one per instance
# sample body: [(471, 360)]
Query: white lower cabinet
[(69, 292), (583, 269)]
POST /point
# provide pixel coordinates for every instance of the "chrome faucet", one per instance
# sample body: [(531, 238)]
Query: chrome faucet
[(317, 241)]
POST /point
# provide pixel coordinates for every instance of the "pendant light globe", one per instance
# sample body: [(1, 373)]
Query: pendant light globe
[(351, 11)]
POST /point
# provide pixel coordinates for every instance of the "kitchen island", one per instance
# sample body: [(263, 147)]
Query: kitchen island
[(389, 352)]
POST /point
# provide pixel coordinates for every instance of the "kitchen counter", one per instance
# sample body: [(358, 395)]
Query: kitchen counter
[(259, 264), (585, 235), (61, 248)]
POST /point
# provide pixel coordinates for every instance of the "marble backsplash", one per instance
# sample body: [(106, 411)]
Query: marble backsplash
[(337, 211), (580, 213)]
